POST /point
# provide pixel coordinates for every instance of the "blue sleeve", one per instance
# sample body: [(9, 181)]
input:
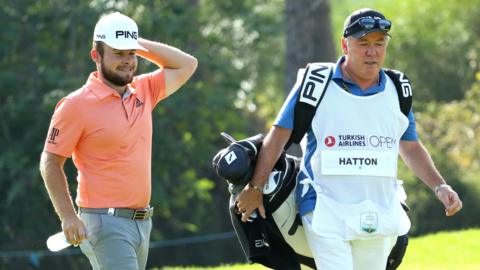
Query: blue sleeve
[(285, 116), (411, 133)]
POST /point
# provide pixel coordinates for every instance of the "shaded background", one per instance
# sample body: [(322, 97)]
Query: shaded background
[(248, 54)]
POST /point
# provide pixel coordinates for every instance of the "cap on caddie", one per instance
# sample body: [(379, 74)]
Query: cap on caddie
[(117, 31), (364, 21)]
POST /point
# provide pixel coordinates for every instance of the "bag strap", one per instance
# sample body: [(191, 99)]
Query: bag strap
[(404, 89), (315, 80)]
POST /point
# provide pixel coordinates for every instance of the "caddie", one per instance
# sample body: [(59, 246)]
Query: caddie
[(348, 191)]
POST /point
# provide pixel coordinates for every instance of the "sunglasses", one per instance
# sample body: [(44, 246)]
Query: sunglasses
[(367, 23)]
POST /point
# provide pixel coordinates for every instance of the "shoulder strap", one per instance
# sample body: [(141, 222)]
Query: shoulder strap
[(315, 80), (404, 89)]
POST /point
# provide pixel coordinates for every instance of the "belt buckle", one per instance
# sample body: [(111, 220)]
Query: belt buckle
[(140, 214)]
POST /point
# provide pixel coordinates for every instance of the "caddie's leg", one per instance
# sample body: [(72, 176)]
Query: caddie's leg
[(329, 253), (116, 244), (372, 254)]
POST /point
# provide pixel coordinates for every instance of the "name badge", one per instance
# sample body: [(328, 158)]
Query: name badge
[(373, 163)]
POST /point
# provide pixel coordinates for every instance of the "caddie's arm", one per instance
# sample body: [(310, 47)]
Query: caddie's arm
[(51, 169), (179, 66), (251, 197), (417, 158)]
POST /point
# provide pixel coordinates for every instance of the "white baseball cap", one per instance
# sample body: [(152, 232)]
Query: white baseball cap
[(117, 31)]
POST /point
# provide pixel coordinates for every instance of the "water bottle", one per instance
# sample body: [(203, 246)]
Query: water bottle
[(57, 242)]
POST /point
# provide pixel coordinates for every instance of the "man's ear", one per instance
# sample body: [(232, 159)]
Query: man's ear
[(344, 46), (95, 55)]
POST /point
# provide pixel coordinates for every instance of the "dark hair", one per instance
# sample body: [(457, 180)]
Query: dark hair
[(99, 46)]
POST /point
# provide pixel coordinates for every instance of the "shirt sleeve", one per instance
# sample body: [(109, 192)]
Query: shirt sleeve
[(152, 85), (285, 116), (66, 128), (411, 133)]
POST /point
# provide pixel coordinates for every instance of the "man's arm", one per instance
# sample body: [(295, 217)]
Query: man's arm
[(251, 197), (51, 169), (179, 66), (417, 158)]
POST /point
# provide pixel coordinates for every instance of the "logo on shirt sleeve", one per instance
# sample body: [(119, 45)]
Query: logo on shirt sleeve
[(53, 135), (138, 103)]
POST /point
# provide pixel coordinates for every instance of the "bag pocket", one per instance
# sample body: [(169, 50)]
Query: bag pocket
[(372, 220), (358, 221)]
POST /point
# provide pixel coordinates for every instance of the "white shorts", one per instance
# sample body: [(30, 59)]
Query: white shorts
[(335, 253)]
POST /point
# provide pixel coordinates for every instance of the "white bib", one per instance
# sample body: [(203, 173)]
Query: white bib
[(351, 161)]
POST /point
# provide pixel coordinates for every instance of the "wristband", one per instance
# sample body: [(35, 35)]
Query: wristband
[(437, 188), (257, 188)]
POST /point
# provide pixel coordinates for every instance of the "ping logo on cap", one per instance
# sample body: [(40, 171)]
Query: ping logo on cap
[(118, 31), (126, 34)]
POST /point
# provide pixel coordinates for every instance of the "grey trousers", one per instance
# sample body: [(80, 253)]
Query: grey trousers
[(116, 243)]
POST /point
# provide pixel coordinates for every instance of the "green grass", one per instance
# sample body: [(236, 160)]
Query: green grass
[(458, 250)]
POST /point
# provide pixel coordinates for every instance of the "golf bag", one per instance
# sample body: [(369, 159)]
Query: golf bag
[(279, 241)]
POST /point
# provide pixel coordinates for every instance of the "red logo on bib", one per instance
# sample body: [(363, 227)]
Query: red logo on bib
[(330, 141)]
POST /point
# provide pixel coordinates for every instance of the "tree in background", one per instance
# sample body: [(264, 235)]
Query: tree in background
[(309, 36), (441, 50), (435, 42)]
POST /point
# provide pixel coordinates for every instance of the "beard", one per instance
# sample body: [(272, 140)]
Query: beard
[(115, 78)]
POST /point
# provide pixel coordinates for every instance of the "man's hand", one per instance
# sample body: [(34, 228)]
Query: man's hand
[(417, 158), (251, 197), (74, 229), (248, 200), (449, 198)]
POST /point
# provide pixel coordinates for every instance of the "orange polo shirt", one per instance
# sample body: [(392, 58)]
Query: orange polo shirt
[(109, 139)]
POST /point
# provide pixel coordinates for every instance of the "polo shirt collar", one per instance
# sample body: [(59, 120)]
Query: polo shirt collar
[(100, 89), (353, 87)]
